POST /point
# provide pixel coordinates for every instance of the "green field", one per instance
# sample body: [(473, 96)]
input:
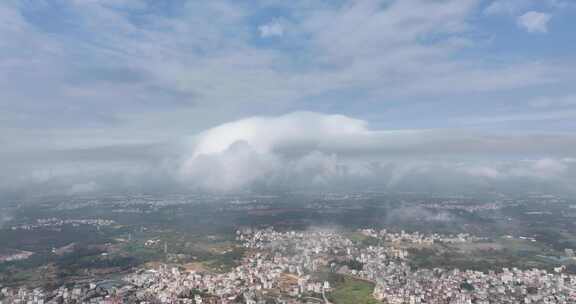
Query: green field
[(353, 291)]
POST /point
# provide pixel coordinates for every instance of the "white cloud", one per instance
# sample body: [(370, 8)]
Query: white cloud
[(237, 154), (542, 168), (534, 22), (84, 188), (366, 28), (510, 7), (549, 167), (516, 7), (235, 168), (483, 171), (272, 29), (265, 134)]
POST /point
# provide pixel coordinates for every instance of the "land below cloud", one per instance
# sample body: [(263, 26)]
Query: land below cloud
[(104, 240)]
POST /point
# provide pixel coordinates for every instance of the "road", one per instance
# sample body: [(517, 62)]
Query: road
[(324, 297)]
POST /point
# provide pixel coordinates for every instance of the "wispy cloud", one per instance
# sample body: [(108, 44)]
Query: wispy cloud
[(509, 7), (553, 102), (534, 22), (272, 29)]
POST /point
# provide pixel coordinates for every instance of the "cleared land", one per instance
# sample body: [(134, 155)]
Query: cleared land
[(353, 291)]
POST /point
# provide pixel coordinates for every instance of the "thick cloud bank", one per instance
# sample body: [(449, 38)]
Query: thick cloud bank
[(265, 134), (268, 151), (319, 151), (313, 151)]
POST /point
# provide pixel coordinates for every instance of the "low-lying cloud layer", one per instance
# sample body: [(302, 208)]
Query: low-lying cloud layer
[(307, 150)]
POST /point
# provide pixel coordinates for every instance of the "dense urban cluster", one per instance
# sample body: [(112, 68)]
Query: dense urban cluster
[(397, 283), (81, 293), (285, 267), (419, 238), (56, 222)]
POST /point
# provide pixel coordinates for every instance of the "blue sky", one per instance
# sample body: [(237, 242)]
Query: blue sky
[(127, 75)]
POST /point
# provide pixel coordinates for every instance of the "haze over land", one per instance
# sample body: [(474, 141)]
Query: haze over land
[(223, 96), (287, 151)]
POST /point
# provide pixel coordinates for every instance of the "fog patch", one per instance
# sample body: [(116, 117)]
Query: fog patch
[(5, 217), (418, 214)]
